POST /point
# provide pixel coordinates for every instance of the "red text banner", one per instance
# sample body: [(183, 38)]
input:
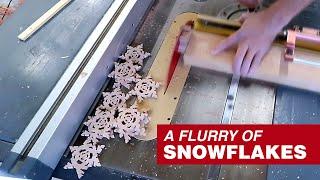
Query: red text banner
[(238, 144)]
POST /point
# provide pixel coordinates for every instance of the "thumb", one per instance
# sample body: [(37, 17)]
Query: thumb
[(244, 17), (226, 44)]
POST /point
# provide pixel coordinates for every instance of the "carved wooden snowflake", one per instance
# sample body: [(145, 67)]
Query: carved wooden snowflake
[(84, 157), (130, 122), (113, 116), (99, 126), (145, 88), (115, 99), (125, 74), (135, 54)]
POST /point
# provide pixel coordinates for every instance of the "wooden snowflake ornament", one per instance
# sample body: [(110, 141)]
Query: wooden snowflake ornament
[(130, 123), (113, 116), (135, 54), (115, 99), (125, 74), (84, 157), (99, 126), (145, 88)]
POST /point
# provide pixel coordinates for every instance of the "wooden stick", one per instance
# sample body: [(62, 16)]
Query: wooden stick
[(43, 19)]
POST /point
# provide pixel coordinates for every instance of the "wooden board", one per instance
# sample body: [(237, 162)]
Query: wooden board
[(273, 68), (43, 19), (163, 108)]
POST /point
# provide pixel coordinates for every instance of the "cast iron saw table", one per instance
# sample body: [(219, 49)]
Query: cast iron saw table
[(29, 74)]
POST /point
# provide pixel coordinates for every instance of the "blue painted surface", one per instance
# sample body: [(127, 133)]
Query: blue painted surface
[(29, 70), (4, 150), (296, 107)]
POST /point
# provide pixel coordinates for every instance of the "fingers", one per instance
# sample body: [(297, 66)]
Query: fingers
[(256, 63), (243, 17), (226, 44), (247, 62), (238, 59)]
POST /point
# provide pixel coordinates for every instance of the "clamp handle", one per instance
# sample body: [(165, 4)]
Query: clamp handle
[(302, 37), (290, 45)]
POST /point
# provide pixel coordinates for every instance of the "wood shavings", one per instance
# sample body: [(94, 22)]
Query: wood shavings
[(125, 74), (21, 2), (84, 157), (145, 88), (6, 11), (131, 122), (136, 55)]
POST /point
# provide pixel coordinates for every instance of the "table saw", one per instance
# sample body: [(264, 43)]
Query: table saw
[(53, 81)]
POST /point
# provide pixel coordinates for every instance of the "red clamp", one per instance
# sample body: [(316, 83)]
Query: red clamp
[(309, 36)]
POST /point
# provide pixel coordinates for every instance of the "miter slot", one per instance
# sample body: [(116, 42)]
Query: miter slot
[(231, 99)]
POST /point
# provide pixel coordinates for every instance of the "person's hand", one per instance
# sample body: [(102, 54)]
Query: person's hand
[(253, 40)]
